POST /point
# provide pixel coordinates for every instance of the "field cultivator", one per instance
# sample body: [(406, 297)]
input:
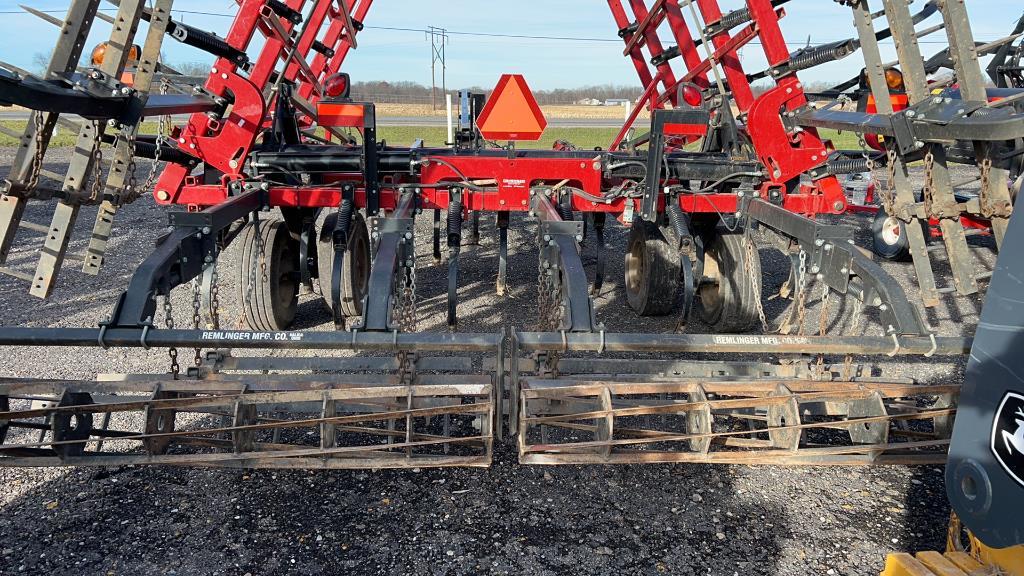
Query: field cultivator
[(276, 157)]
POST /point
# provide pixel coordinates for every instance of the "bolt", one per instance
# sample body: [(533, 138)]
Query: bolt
[(918, 144), (409, 263), (408, 235), (815, 269), (524, 203), (837, 206), (264, 186), (911, 113), (883, 307), (213, 70), (208, 259), (579, 237), (206, 229), (551, 243), (819, 242), (233, 163), (547, 265), (162, 195), (844, 270), (375, 235), (597, 165), (224, 76), (820, 276), (937, 100), (501, 202), (547, 237), (877, 301), (828, 247)]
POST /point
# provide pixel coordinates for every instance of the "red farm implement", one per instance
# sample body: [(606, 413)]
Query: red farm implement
[(276, 157)]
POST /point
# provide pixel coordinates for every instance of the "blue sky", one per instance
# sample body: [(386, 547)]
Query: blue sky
[(476, 60)]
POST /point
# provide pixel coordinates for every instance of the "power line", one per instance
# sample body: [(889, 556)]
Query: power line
[(489, 34)]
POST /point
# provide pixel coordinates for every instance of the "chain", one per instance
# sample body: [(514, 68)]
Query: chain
[(132, 192), (37, 159), (196, 316), (96, 158), (172, 352), (799, 308), (983, 196), (823, 320), (214, 297), (865, 153), (755, 283), (858, 307), (890, 188), (160, 139), (928, 191), (405, 311)]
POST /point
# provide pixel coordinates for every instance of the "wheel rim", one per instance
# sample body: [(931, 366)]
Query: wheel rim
[(287, 287), (636, 267), (360, 268), (711, 283), (891, 231)]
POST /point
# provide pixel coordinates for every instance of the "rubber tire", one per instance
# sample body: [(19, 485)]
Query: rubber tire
[(651, 271), (898, 251), (734, 307), (354, 279), (274, 302)]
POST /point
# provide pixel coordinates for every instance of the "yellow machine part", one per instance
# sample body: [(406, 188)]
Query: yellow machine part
[(970, 558)]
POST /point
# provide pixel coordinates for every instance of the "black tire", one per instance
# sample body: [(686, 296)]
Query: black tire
[(355, 273), (889, 237), (652, 271), (729, 303), (274, 299)]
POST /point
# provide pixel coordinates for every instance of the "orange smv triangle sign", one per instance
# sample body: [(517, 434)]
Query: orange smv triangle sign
[(512, 112)]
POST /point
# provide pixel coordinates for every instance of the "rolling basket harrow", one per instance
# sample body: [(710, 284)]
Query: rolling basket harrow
[(271, 143)]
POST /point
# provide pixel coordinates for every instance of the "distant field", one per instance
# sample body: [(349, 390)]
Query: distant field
[(587, 138), (567, 111)]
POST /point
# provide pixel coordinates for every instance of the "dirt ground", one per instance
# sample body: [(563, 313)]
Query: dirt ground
[(506, 519)]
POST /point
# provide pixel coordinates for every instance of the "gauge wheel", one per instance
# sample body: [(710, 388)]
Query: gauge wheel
[(728, 300), (889, 237), (355, 273), (274, 276), (652, 270)]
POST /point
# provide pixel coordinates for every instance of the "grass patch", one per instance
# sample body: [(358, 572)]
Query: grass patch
[(584, 138)]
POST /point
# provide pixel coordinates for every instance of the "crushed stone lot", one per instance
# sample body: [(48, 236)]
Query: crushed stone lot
[(506, 519)]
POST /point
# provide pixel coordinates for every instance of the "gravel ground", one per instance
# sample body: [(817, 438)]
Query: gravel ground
[(508, 519)]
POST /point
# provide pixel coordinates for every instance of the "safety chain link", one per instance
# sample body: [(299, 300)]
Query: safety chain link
[(214, 297), (858, 308), (161, 131), (96, 159), (823, 322), (755, 283), (983, 196), (172, 352), (197, 318), (928, 191), (799, 305), (37, 158), (889, 196), (404, 311)]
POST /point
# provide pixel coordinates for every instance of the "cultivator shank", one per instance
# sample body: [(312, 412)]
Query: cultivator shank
[(276, 157)]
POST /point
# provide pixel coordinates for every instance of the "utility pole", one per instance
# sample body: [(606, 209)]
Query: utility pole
[(438, 40)]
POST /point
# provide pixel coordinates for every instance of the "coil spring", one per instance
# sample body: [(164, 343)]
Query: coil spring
[(344, 222), (849, 166), (565, 211), (208, 42), (679, 222), (455, 224), (734, 19), (818, 56)]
